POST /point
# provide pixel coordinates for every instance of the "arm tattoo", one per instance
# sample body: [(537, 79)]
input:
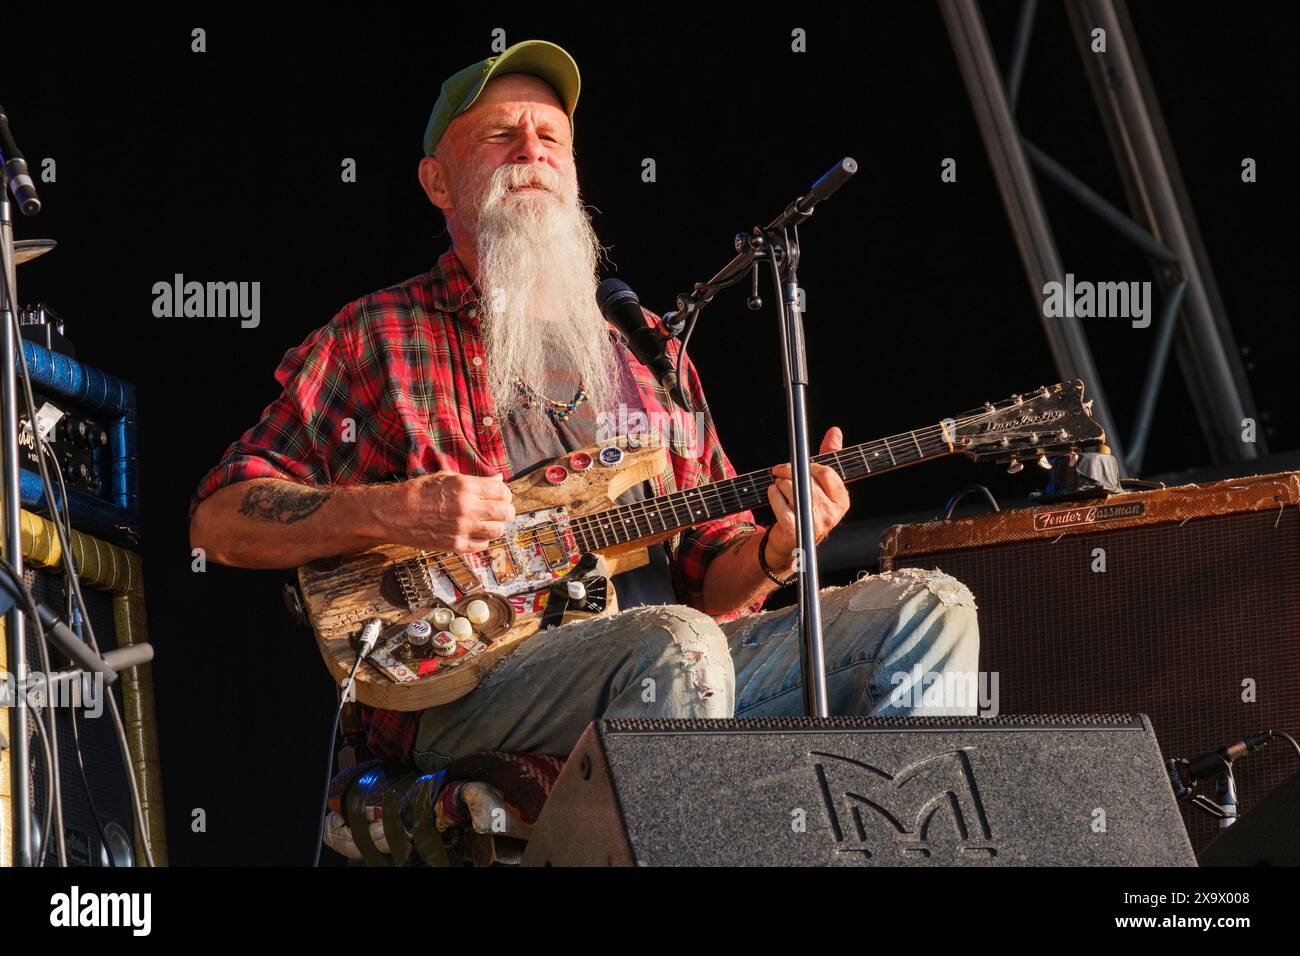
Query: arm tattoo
[(283, 502), (739, 546)]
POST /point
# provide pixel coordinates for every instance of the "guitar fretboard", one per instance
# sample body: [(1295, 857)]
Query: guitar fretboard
[(691, 506)]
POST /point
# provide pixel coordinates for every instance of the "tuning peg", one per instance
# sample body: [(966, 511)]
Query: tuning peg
[(1043, 392), (1015, 467), (1087, 407), (1043, 462), (1074, 458)]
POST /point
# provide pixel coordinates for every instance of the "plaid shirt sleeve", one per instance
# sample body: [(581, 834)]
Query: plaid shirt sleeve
[(295, 436), (706, 463)]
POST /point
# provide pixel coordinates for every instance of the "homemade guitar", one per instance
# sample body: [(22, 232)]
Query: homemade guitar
[(564, 511)]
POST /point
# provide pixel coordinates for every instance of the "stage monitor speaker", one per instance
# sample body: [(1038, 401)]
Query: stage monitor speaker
[(99, 824), (1269, 836), (800, 791), (1178, 603)]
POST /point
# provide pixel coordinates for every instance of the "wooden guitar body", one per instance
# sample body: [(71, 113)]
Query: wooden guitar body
[(341, 594)]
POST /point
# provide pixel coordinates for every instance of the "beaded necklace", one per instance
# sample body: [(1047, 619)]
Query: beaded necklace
[(557, 410)]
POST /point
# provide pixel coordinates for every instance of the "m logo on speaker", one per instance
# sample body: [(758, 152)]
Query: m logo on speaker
[(930, 809)]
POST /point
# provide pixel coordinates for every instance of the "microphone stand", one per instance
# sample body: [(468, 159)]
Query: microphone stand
[(777, 245), (13, 173), (15, 633)]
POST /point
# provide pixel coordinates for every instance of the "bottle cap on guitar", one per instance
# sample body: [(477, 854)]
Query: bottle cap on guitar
[(418, 632), (538, 57)]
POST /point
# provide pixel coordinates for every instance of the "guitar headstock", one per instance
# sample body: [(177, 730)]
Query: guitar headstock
[(1049, 421)]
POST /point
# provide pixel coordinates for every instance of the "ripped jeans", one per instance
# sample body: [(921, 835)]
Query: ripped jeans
[(890, 640)]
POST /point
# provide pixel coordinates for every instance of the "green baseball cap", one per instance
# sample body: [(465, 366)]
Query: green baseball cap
[(538, 57)]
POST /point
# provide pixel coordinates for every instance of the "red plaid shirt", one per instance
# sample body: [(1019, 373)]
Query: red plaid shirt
[(402, 373)]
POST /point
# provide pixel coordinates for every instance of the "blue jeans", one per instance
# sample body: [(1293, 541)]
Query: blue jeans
[(890, 641)]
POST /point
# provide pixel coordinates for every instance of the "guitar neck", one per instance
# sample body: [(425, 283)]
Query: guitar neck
[(672, 512)]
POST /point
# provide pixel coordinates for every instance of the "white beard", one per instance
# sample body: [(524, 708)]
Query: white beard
[(537, 257)]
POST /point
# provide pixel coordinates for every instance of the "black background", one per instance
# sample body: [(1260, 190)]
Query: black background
[(226, 165)]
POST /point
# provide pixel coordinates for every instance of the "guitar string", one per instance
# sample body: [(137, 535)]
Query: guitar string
[(716, 493), (602, 523), (711, 495), (589, 525)]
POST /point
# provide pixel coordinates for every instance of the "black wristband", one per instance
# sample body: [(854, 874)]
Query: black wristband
[(762, 563)]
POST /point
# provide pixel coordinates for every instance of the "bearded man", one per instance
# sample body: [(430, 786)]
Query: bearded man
[(401, 418)]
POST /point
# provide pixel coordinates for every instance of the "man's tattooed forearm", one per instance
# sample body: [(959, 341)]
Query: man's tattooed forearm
[(284, 503)]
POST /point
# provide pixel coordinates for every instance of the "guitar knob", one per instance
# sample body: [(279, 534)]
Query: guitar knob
[(1043, 463), (477, 613), (577, 591), (1015, 467)]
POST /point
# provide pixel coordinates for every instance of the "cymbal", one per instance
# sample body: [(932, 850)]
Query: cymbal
[(27, 249)]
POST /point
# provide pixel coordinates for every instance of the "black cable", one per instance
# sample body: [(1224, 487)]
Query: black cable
[(1285, 736), (956, 499), (43, 650), (54, 797), (85, 787), (30, 601), (49, 788), (329, 762), (681, 359), (70, 569)]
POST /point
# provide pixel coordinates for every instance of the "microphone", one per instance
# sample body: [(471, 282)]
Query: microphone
[(622, 309), (1215, 762), (20, 183)]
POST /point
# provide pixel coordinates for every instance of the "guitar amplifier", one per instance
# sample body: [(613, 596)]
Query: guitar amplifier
[(99, 824), (95, 444), (1178, 603)]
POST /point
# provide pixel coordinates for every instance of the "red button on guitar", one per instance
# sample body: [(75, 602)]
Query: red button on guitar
[(556, 474), (579, 461)]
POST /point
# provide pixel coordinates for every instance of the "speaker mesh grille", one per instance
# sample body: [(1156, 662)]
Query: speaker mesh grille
[(99, 747), (767, 724), (1180, 623)]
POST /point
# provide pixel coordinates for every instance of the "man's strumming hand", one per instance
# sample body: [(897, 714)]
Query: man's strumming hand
[(448, 511)]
